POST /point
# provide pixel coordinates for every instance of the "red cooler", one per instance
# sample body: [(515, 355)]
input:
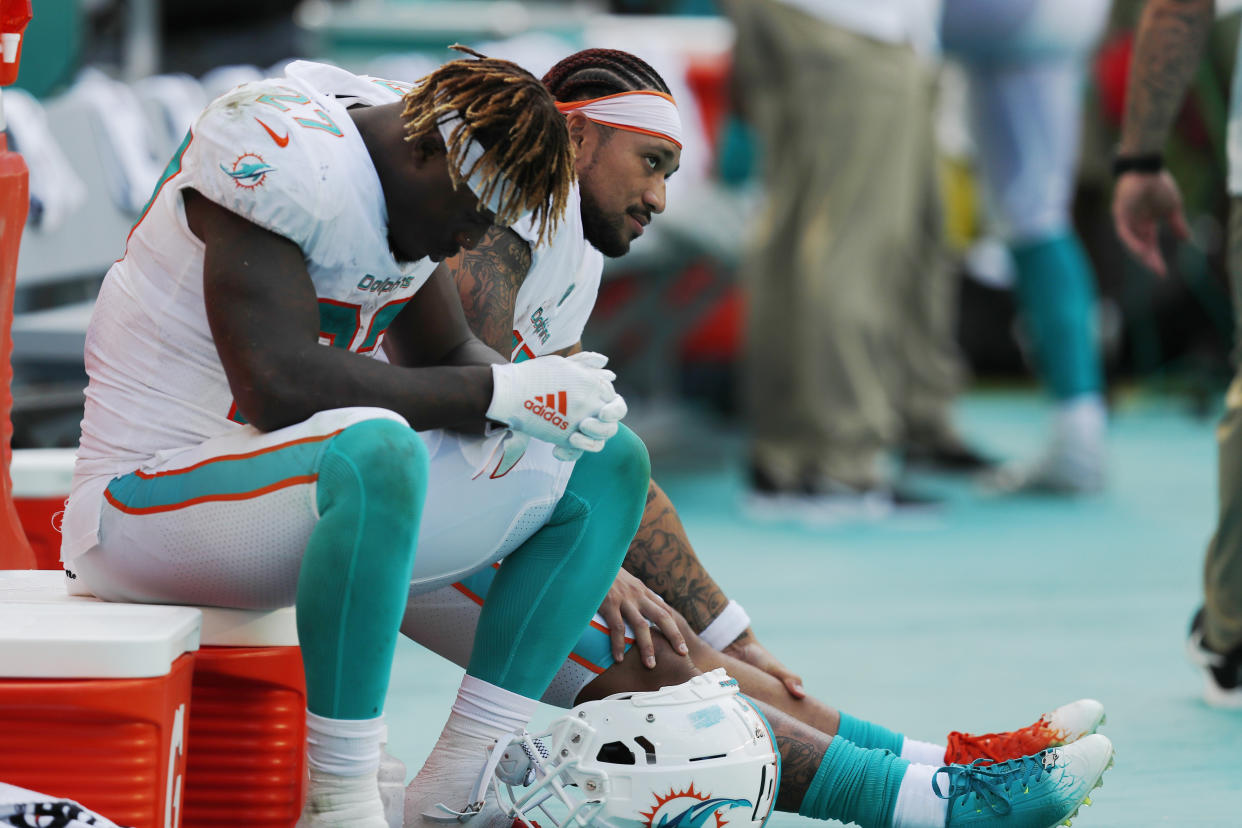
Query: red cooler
[(247, 718), (247, 723), (94, 702)]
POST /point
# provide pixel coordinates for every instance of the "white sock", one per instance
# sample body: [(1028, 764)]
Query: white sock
[(923, 753), (344, 747), (343, 757), (492, 711), (482, 714), (917, 804)]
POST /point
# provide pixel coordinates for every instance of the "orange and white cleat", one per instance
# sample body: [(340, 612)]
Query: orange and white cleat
[(1065, 725)]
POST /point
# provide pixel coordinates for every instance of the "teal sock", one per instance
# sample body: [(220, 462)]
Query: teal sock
[(355, 576), (548, 589), (855, 784), (869, 735), (1056, 298)]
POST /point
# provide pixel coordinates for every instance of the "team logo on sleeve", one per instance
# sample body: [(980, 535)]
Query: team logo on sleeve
[(248, 171)]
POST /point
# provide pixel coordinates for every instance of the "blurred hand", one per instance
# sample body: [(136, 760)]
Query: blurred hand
[(629, 601), (1141, 203), (747, 648)]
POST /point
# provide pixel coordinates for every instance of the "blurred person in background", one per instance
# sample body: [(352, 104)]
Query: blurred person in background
[(1026, 64), (850, 341), (1171, 38)]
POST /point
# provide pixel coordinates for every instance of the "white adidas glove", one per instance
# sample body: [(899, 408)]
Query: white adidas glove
[(566, 401), (601, 428)]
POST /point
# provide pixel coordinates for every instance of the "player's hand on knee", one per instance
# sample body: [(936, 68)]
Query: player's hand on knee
[(566, 401), (747, 648), (629, 601)]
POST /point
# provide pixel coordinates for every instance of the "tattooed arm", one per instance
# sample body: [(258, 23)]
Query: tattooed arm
[(1168, 46), (488, 278), (661, 557)]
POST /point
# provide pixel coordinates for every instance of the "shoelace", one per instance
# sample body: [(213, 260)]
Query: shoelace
[(964, 748), (993, 783), (534, 762)]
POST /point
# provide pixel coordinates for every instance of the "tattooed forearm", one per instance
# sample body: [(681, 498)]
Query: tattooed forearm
[(488, 279), (1167, 49), (662, 558), (744, 637)]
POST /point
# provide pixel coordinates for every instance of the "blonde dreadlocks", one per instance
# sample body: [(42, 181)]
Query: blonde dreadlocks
[(513, 117)]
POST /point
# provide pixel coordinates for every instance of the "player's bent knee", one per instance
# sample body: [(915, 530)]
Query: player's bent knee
[(387, 459), (632, 676), (625, 459)]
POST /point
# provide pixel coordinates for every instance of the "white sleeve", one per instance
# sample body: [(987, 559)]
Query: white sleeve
[(249, 158), (576, 307)]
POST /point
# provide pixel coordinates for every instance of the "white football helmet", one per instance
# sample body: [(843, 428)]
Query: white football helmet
[(694, 755)]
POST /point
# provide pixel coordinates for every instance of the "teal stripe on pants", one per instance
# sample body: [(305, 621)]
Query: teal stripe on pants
[(219, 477)]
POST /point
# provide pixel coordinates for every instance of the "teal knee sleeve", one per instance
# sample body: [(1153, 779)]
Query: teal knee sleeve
[(372, 479), (548, 589), (1056, 297), (855, 784), (869, 735)]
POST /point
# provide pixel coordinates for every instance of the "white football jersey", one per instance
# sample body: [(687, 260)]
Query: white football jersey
[(555, 301), (285, 154)]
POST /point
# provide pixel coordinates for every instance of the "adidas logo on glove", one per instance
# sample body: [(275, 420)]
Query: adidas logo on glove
[(550, 407)]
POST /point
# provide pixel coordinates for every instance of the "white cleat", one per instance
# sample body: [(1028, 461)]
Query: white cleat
[(1074, 461), (1057, 472), (449, 794), (1038, 791), (342, 802), (1075, 720), (431, 809)]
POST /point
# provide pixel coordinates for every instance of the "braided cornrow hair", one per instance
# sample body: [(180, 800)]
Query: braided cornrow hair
[(514, 119), (594, 73)]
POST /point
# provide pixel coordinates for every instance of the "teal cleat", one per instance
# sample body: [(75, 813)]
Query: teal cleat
[(1037, 791)]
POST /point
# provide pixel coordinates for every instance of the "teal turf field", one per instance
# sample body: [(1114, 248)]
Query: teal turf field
[(981, 616)]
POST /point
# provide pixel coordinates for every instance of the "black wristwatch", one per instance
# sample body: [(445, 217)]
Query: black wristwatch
[(1149, 163)]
